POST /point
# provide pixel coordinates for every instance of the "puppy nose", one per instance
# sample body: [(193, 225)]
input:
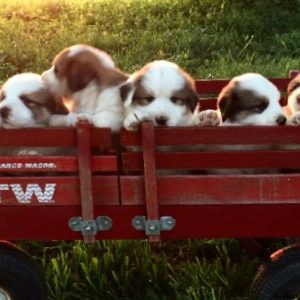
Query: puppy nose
[(281, 120), (161, 120), (4, 112)]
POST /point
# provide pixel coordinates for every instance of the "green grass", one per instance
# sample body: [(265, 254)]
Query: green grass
[(208, 38)]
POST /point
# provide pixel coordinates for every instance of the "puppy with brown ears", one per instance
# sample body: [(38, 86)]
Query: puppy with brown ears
[(88, 77), (164, 94), (293, 103), (25, 102), (250, 99)]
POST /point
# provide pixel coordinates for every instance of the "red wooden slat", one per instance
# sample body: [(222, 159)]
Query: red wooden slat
[(215, 86), (215, 189), (51, 137), (218, 135), (149, 166), (85, 174), (36, 164), (58, 191), (192, 221), (208, 160)]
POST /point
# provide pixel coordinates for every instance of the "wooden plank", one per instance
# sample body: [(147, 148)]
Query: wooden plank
[(35, 164), (214, 86), (192, 221), (85, 175), (215, 189), (51, 137), (226, 135), (149, 167), (133, 161), (55, 191)]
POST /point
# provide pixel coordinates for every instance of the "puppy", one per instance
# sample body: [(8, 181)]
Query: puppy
[(247, 100), (293, 103), (164, 94), (25, 102), (250, 99), (89, 78)]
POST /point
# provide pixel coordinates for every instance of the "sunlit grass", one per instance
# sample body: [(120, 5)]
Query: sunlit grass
[(210, 39)]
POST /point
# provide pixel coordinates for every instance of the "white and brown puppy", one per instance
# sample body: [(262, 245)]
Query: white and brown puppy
[(89, 78), (250, 99), (164, 94), (293, 103), (25, 103)]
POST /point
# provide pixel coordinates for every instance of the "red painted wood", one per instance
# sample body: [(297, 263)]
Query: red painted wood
[(216, 160), (51, 137), (66, 190), (85, 174), (215, 189), (214, 86), (149, 164), (34, 164), (194, 221), (293, 73), (218, 135)]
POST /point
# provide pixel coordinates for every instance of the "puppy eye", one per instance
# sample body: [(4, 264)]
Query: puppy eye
[(149, 99), (260, 107), (2, 96), (27, 101), (177, 101), (144, 100)]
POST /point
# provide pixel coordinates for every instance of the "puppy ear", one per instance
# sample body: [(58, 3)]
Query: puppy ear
[(114, 77), (55, 104), (80, 75), (193, 101), (295, 83), (126, 91)]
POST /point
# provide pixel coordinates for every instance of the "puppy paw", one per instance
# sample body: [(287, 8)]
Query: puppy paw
[(74, 118), (208, 118), (132, 121), (294, 120)]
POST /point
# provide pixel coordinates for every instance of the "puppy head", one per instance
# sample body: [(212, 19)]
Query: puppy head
[(25, 102), (293, 93), (74, 68), (250, 99), (163, 92)]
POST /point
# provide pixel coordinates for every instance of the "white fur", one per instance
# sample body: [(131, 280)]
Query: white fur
[(20, 115)]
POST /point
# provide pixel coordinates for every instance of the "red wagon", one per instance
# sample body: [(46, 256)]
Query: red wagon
[(125, 187)]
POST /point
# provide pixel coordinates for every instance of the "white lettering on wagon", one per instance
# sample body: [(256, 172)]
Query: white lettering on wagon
[(31, 189), (40, 165)]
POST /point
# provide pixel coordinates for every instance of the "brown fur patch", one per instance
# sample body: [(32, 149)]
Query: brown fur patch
[(295, 83), (83, 67), (234, 101), (43, 97)]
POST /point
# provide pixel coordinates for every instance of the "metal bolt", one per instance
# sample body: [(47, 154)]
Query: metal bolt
[(88, 228), (152, 227), (170, 222), (137, 222), (74, 222)]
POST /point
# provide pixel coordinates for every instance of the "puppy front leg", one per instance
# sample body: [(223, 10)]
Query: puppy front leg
[(69, 120), (208, 117), (294, 120), (133, 120)]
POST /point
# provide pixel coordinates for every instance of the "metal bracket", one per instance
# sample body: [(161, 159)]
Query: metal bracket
[(90, 227), (153, 227)]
